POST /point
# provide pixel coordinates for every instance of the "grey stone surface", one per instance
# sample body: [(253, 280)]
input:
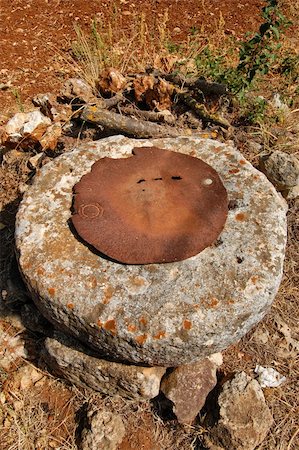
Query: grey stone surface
[(244, 417), (104, 430), (156, 314), (188, 386), (281, 169), (34, 320), (74, 363)]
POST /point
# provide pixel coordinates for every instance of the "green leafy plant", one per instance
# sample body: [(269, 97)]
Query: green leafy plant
[(17, 95), (254, 110), (258, 54)]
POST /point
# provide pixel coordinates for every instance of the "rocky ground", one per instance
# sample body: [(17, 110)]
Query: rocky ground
[(39, 411)]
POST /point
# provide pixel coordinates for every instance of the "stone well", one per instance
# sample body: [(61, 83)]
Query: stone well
[(154, 314)]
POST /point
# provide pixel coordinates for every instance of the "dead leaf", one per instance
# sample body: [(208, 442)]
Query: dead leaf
[(159, 97), (291, 346), (50, 137), (141, 85), (165, 63), (110, 82), (260, 336), (156, 93)]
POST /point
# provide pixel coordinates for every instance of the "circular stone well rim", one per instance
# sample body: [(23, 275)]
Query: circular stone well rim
[(157, 314)]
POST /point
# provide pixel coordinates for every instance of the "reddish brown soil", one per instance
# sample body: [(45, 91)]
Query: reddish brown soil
[(34, 34), (140, 436)]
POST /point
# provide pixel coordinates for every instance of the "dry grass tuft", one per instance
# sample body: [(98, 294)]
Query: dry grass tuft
[(42, 417)]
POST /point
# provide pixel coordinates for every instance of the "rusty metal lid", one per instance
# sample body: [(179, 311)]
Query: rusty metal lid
[(156, 206)]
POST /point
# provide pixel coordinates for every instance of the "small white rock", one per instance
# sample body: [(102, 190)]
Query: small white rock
[(269, 377)]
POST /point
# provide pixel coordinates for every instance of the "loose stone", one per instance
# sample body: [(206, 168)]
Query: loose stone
[(244, 417), (188, 386), (73, 362), (104, 430)]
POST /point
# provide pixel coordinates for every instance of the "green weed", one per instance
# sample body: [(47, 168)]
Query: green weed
[(17, 96)]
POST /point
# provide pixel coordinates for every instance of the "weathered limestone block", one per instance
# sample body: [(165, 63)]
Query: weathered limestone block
[(188, 386), (74, 363), (244, 417), (157, 314), (281, 169)]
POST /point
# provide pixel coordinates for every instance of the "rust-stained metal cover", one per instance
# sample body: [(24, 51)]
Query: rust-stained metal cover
[(156, 206)]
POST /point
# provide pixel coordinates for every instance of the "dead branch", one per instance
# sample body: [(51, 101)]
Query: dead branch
[(201, 111), (153, 116), (113, 101), (127, 125), (204, 86)]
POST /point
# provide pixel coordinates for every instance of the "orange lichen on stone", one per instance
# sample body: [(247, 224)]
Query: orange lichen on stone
[(217, 149), (160, 335), (254, 279), (108, 292), (213, 302), (41, 271), (110, 325), (70, 305), (93, 282), (242, 161), (196, 306), (143, 321), (230, 301), (136, 281), (187, 325), (51, 291), (132, 328), (240, 217), (234, 170), (99, 323), (141, 339)]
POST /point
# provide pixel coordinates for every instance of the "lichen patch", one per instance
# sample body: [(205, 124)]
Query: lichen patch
[(187, 324), (141, 339), (160, 335), (110, 325), (241, 217), (51, 291), (108, 293)]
